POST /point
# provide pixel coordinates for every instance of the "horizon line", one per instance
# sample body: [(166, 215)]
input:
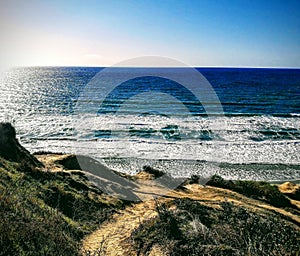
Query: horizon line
[(111, 66)]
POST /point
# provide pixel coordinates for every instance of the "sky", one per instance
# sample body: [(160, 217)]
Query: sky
[(232, 33)]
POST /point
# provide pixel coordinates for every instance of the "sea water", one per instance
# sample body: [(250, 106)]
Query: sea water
[(257, 135)]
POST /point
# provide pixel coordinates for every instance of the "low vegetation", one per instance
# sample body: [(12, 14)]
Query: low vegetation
[(193, 228), (48, 213), (256, 189)]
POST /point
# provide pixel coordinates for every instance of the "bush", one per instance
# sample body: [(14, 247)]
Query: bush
[(256, 189), (263, 191), (219, 182), (156, 173)]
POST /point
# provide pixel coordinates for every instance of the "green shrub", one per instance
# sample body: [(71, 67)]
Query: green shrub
[(219, 182), (156, 173), (256, 189), (263, 191)]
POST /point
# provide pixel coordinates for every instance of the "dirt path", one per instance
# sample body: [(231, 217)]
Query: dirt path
[(114, 232)]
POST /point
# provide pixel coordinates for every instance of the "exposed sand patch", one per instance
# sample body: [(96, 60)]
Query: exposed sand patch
[(289, 188), (49, 161)]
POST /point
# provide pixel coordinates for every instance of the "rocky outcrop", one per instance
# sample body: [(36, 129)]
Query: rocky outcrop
[(12, 150)]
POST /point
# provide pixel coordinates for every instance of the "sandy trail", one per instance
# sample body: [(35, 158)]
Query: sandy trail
[(116, 231)]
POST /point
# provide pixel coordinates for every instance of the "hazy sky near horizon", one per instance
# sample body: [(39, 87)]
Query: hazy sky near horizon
[(198, 33)]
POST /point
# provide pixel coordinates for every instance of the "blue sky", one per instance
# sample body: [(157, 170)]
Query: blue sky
[(199, 33)]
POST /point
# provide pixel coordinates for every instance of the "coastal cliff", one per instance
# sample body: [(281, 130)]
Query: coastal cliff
[(11, 150), (49, 206)]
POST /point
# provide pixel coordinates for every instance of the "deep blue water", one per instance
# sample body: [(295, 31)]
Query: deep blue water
[(157, 121), (259, 91), (242, 91)]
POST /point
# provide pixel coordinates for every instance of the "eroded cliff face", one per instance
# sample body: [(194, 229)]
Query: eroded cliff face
[(12, 150)]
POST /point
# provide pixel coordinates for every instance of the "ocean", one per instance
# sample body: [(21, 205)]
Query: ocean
[(249, 129)]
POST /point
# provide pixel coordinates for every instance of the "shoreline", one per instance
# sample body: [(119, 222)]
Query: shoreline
[(237, 165)]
